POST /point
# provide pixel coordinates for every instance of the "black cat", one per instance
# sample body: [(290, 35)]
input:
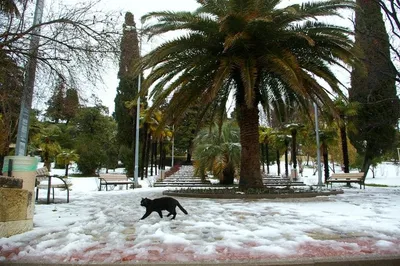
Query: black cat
[(157, 205)]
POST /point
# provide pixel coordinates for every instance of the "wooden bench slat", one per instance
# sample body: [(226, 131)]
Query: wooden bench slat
[(114, 180)]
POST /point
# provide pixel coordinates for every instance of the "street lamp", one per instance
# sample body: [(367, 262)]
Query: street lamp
[(29, 82), (136, 169)]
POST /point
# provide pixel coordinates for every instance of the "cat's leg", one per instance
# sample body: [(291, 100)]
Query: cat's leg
[(173, 213), (173, 217), (145, 215), (160, 213)]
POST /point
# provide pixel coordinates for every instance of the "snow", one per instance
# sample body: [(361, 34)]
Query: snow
[(104, 226)]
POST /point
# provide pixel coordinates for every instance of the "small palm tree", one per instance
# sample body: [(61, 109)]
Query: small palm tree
[(66, 157), (218, 150), (266, 138), (45, 141)]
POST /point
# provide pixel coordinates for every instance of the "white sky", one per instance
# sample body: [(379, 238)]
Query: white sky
[(138, 8), (106, 93), (104, 227)]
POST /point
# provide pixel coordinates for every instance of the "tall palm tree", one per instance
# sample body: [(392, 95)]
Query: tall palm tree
[(267, 139), (345, 110), (251, 47)]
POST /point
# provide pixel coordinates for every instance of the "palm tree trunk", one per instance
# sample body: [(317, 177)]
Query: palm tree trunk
[(262, 157), (148, 152), (278, 162), (267, 155), (152, 157), (326, 162), (286, 158), (155, 157), (145, 133), (294, 153), (250, 173), (345, 149)]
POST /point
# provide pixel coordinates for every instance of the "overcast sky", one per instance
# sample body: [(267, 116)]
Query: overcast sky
[(138, 8)]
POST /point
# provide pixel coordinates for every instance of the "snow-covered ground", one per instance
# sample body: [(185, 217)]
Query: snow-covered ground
[(104, 226)]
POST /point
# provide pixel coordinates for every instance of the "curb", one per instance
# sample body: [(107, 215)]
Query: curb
[(371, 260)]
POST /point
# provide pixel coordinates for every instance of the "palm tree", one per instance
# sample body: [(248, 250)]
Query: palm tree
[(293, 128), (345, 110), (266, 138), (218, 150), (254, 48), (328, 137), (66, 157)]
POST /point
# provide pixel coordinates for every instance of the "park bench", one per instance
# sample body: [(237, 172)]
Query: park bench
[(347, 178), (46, 181), (115, 180)]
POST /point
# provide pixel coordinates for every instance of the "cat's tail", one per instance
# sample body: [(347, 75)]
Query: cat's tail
[(182, 209)]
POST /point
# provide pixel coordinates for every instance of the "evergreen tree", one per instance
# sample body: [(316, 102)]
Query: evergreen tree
[(11, 77), (55, 109), (373, 86), (71, 104), (127, 89)]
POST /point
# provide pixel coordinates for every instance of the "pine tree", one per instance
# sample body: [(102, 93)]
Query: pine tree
[(373, 86)]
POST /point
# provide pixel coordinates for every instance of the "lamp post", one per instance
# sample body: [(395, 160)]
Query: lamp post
[(136, 169), (29, 82), (173, 145)]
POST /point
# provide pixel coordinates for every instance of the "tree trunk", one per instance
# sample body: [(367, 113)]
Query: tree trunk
[(152, 157), (262, 157), (294, 153), (278, 162), (66, 169), (144, 146), (345, 149), (228, 175), (148, 154), (286, 159), (267, 155), (250, 173), (155, 157), (326, 162)]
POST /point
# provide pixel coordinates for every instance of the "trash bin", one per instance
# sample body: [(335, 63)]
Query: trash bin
[(23, 167)]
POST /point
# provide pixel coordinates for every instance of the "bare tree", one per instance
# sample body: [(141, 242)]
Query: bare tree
[(391, 10), (77, 43)]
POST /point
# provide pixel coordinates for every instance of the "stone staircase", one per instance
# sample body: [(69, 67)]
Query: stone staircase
[(184, 177)]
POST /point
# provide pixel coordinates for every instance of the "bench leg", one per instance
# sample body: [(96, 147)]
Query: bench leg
[(37, 193), (48, 191), (67, 195)]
